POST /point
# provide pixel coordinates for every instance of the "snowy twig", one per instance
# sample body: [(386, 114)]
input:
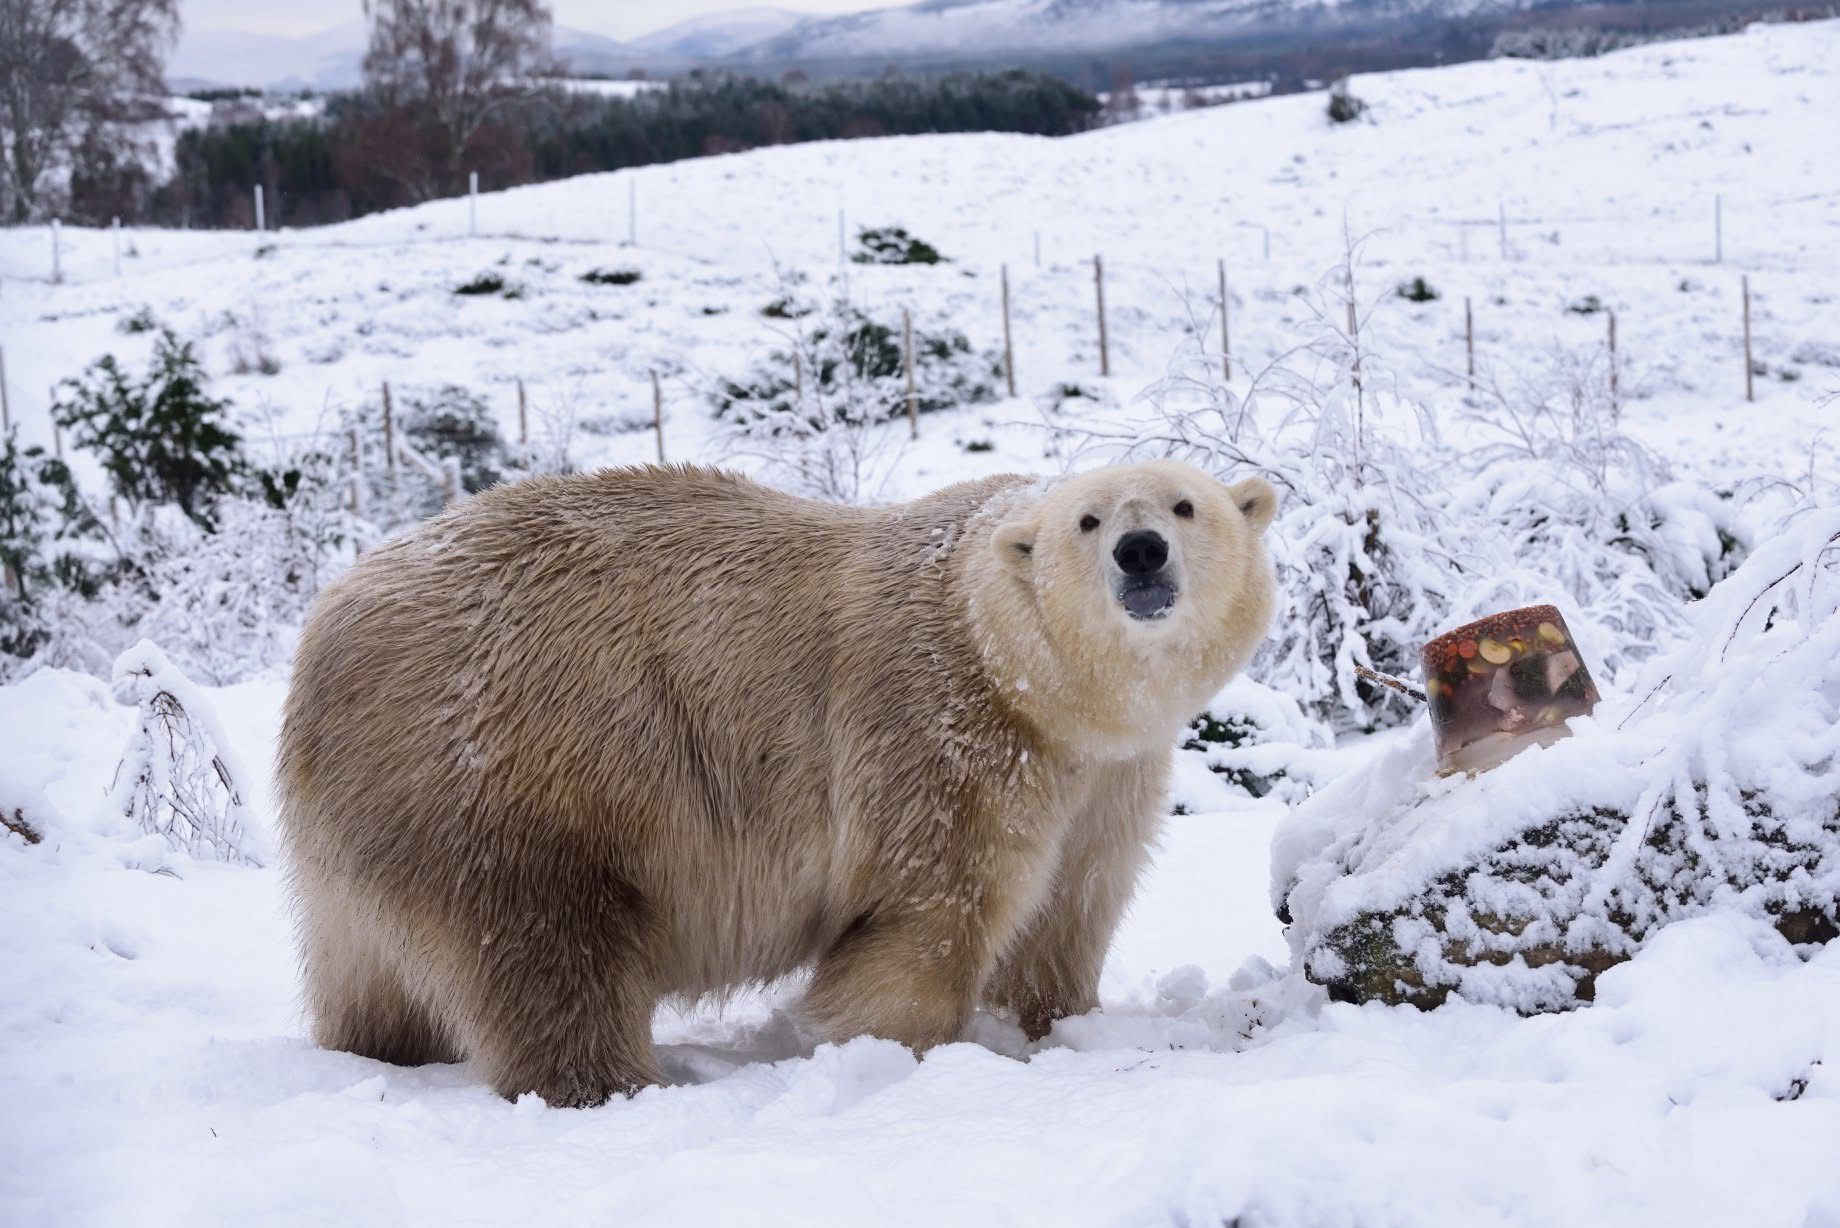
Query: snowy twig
[(1387, 680)]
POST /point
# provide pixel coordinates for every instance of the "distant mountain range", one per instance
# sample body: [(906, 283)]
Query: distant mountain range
[(1075, 37), (333, 58)]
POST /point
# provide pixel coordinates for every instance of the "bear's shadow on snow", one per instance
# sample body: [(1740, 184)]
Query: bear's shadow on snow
[(779, 1038)]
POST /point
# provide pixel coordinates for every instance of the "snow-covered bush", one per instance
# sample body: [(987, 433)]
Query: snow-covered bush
[(893, 245), (1714, 786), (1259, 740), (161, 438), (251, 348), (441, 424), (611, 277), (809, 411), (228, 603), (223, 593), (1366, 570), (1388, 535), (1344, 107), (175, 778)]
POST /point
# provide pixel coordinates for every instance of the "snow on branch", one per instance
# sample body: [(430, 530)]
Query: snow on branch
[(176, 777)]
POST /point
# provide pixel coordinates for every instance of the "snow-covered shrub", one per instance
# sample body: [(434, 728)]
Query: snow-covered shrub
[(810, 410), (893, 245), (1583, 513), (1367, 572), (175, 778), (485, 284), (1714, 786), (251, 349), (1388, 535), (442, 424), (1259, 740), (1344, 106), (611, 277), (140, 320), (228, 603), (1418, 290), (56, 561), (451, 421), (22, 535), (161, 438), (224, 595)]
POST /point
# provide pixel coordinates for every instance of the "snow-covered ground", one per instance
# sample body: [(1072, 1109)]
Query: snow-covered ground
[(155, 1068)]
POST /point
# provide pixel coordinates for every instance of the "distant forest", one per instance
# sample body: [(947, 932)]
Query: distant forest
[(362, 156)]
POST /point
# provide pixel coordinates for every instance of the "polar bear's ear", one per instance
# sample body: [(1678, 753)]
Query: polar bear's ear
[(1256, 501), (1014, 542)]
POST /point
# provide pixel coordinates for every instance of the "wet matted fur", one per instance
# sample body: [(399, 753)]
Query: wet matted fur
[(581, 743)]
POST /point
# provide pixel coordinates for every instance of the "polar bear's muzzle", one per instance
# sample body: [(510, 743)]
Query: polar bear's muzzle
[(1146, 590)]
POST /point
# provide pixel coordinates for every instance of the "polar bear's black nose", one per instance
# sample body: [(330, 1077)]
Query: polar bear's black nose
[(1140, 553)]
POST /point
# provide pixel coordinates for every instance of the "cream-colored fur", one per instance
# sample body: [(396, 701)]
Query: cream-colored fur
[(582, 743)]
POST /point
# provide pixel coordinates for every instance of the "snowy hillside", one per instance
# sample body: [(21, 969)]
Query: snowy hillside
[(156, 1070)]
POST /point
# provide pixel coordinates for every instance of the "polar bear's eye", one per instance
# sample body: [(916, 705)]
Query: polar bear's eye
[(1185, 510), (1088, 523)]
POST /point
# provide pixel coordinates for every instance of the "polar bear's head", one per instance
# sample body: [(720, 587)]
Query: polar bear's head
[(1143, 587)]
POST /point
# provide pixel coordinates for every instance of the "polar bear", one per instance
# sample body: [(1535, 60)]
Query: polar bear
[(582, 743)]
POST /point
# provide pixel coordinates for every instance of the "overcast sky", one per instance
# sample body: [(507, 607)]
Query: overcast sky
[(617, 18)]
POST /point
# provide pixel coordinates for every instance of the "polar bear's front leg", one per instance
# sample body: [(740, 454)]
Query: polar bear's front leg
[(908, 975), (910, 967), (1051, 970)]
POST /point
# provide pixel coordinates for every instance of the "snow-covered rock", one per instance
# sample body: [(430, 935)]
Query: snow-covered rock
[(1715, 787)]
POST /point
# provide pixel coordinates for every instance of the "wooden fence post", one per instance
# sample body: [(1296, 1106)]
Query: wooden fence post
[(115, 235), (472, 203), (1749, 391), (261, 217), (1469, 342), (1615, 404), (389, 434), (1009, 353), (357, 470), (523, 421), (1105, 356), (57, 255), (15, 586), (913, 401), (1226, 348), (658, 415)]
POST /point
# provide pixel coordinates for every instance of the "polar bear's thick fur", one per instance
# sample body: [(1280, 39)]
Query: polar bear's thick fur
[(582, 743)]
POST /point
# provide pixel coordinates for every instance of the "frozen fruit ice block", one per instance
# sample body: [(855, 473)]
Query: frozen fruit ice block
[(1502, 684)]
